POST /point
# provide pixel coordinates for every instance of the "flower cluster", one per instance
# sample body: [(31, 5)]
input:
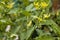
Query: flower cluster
[(42, 5)]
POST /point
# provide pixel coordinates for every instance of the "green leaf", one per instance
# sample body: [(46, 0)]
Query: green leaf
[(29, 7), (54, 26), (26, 13), (44, 37), (29, 32)]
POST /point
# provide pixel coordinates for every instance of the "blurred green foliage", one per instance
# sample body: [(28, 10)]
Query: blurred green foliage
[(28, 20)]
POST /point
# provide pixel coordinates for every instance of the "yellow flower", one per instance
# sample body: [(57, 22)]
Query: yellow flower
[(46, 15), (36, 4), (40, 19), (44, 4), (29, 24), (10, 5)]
